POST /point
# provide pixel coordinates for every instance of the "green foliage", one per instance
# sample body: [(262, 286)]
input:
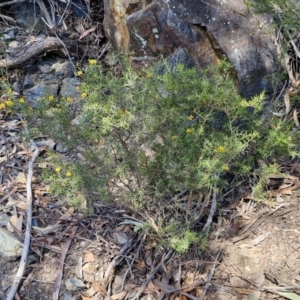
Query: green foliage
[(259, 190), (182, 242), (285, 13), (145, 136)]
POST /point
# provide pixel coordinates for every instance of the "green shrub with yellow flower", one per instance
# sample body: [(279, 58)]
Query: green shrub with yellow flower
[(146, 136)]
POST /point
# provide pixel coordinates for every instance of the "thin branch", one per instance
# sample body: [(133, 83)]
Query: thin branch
[(61, 263), (212, 271), (165, 257), (26, 245), (11, 2), (212, 211)]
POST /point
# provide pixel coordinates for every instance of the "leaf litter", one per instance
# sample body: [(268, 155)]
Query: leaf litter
[(141, 270)]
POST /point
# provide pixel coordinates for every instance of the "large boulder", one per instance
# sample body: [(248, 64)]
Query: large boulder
[(195, 32)]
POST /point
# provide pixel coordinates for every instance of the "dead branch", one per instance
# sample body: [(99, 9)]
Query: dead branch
[(31, 51), (164, 258), (11, 2), (213, 269), (26, 246), (212, 211), (61, 263)]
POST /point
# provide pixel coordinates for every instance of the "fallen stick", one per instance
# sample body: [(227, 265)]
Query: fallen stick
[(61, 263), (31, 51), (212, 212), (26, 245)]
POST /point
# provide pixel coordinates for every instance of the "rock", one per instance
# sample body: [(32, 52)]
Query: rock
[(17, 87), (68, 296), (13, 44), (28, 82), (196, 33), (65, 69), (10, 247), (3, 220), (45, 68), (28, 16), (40, 90), (11, 34), (74, 284), (121, 237), (68, 88), (255, 295)]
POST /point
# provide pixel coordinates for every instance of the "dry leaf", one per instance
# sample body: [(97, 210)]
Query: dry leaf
[(66, 216), (21, 178), (119, 296), (89, 257), (257, 241), (21, 205), (99, 288), (15, 222), (163, 286), (150, 289), (85, 298), (287, 191), (87, 32)]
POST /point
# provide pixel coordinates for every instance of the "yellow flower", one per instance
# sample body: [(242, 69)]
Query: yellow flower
[(221, 149), (191, 117), (2, 105), (84, 95), (92, 61), (79, 73), (149, 75), (123, 111), (225, 167), (9, 91), (174, 137), (189, 130), (22, 100), (51, 98), (68, 174), (57, 105), (69, 99), (9, 103), (58, 169)]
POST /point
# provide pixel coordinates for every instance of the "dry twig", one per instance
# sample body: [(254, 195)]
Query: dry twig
[(61, 263), (26, 246), (11, 2), (212, 211)]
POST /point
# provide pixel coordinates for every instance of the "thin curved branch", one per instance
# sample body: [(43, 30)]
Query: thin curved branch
[(26, 245)]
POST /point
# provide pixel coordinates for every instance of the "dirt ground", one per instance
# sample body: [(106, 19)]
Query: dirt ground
[(260, 260)]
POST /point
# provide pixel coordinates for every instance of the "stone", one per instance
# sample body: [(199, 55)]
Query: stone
[(65, 69), (28, 16), (10, 246), (74, 284), (40, 90), (196, 33), (28, 82), (13, 44), (68, 88), (3, 220)]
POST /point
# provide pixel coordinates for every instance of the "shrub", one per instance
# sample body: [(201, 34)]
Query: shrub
[(146, 137)]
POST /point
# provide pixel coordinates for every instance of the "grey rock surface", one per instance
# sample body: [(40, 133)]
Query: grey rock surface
[(198, 33), (10, 246), (74, 284)]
